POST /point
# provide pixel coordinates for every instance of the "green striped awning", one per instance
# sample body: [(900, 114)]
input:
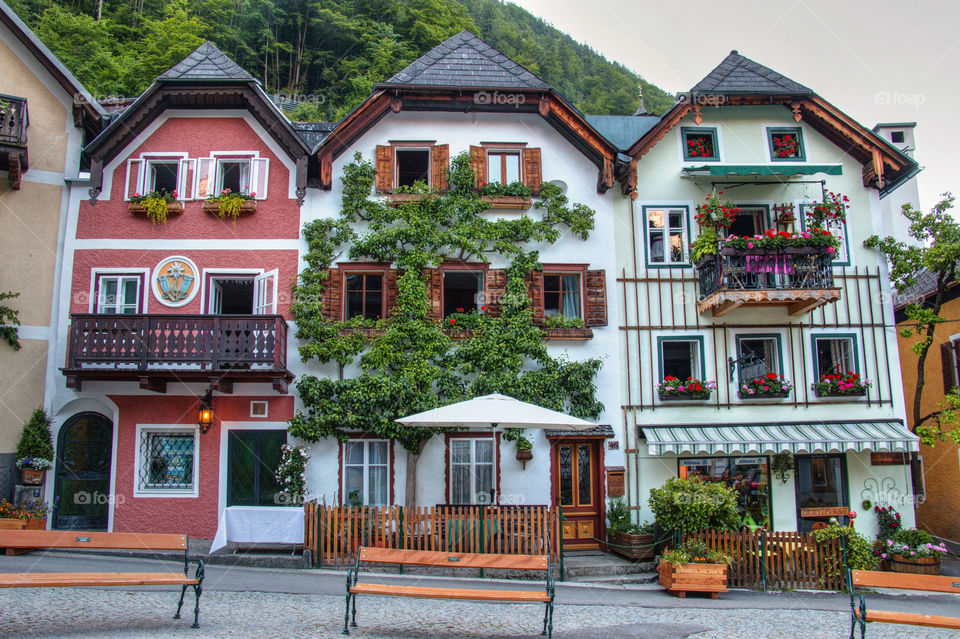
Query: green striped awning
[(759, 170), (801, 437)]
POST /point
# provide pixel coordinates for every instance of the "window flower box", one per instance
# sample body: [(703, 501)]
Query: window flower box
[(671, 389), (247, 207), (770, 386), (173, 208), (568, 334), (512, 202), (841, 385), (396, 199), (157, 206)]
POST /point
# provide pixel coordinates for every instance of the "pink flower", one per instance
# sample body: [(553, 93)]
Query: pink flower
[(884, 555), (749, 244), (831, 250), (766, 388), (136, 195), (253, 194), (175, 194), (889, 542), (681, 389)]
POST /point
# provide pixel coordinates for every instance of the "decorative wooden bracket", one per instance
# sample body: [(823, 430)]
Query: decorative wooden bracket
[(96, 179), (797, 115), (697, 114), (301, 179)]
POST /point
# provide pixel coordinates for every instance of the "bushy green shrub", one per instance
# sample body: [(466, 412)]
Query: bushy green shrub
[(860, 555), (691, 505), (36, 442), (912, 537)]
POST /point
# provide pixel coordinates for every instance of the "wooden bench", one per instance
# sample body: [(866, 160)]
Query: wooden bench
[(454, 560), (74, 539), (873, 579)]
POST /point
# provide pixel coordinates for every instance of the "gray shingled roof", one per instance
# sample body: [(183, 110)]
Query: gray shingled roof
[(313, 133), (466, 60), (207, 62), (622, 130), (737, 74), (925, 284), (604, 430)]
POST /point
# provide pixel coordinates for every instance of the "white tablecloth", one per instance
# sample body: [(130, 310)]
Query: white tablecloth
[(259, 525)]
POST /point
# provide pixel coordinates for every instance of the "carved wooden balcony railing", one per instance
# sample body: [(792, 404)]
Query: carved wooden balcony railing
[(799, 278), (157, 349), (14, 121)]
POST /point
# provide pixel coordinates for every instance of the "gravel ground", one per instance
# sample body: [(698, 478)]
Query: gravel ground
[(101, 614)]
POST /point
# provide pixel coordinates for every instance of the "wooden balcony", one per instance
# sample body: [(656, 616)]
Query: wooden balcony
[(799, 278), (14, 121), (156, 349)]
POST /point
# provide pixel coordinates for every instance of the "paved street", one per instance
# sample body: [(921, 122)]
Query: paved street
[(254, 602)]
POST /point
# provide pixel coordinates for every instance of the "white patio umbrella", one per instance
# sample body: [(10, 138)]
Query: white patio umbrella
[(491, 411)]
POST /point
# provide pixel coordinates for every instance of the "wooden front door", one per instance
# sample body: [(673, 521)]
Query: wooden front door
[(576, 489)]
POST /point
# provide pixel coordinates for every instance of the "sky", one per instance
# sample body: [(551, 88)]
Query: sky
[(878, 61)]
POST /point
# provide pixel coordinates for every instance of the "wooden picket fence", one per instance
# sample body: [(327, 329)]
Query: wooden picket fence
[(778, 560), (339, 531)]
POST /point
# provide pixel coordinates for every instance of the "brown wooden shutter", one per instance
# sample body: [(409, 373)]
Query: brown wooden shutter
[(440, 162), (947, 361), (495, 289), (390, 291), (384, 180), (333, 296), (535, 292), (478, 162), (532, 171), (434, 280), (596, 303)]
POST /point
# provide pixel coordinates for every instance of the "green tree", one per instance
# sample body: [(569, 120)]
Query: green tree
[(9, 321), (407, 363), (35, 439), (937, 250)]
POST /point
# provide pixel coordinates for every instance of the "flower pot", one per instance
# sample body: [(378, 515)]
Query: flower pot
[(514, 202), (247, 207), (524, 454), (922, 566), (859, 393), (786, 219), (31, 477), (632, 546), (173, 208), (779, 395), (569, 334), (679, 579), (682, 397)]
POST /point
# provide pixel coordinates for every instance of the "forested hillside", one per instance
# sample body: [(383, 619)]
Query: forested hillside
[(333, 51)]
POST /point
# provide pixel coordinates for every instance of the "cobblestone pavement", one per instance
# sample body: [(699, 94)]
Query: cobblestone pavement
[(101, 614)]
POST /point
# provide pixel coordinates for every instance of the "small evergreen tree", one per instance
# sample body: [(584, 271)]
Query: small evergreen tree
[(36, 442)]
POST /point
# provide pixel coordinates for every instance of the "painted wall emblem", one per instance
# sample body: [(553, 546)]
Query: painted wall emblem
[(175, 281)]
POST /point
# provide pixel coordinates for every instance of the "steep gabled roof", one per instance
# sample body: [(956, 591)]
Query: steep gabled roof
[(738, 74), (465, 60), (207, 62)]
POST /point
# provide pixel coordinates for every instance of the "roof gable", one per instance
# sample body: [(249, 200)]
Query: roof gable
[(738, 74), (466, 60), (207, 62)]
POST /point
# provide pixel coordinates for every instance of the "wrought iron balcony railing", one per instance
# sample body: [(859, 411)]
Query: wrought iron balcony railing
[(799, 278), (155, 349)]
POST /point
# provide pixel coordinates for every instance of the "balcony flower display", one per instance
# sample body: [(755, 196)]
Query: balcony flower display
[(690, 388), (777, 240), (833, 209), (230, 204), (716, 213), (785, 146), (156, 205), (841, 384), (770, 385)]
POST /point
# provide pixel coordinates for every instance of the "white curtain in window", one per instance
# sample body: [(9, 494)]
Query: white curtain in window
[(571, 296)]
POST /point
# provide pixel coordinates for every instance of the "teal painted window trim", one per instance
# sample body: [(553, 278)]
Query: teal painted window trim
[(701, 374), (846, 237), (818, 336), (710, 132), (646, 237), (801, 151), (775, 336)]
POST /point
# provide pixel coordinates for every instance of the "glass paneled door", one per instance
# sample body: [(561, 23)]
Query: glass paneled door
[(821, 482), (252, 457), (82, 490), (576, 489)]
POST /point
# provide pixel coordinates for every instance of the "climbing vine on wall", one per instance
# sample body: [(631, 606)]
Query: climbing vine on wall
[(9, 321)]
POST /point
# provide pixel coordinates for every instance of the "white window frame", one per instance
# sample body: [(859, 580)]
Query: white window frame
[(259, 402), (142, 166), (212, 274), (366, 466), (473, 464), (120, 280), (210, 169), (396, 162), (665, 231), (96, 273), (517, 152), (139, 462)]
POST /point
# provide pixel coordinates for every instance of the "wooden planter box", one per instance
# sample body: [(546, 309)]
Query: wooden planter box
[(684, 578), (569, 334), (682, 397), (861, 393), (632, 546), (922, 566), (514, 202), (248, 207), (173, 208), (780, 395), (31, 477), (22, 524)]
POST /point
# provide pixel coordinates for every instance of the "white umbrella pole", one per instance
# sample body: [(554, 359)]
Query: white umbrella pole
[(493, 479)]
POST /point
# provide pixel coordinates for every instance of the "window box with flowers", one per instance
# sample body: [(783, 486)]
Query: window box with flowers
[(230, 205), (514, 196), (841, 385), (560, 328), (770, 386), (672, 389), (786, 145), (700, 144), (156, 206)]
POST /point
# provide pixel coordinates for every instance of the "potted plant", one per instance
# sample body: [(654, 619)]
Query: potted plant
[(693, 567), (913, 551), (716, 213), (782, 465), (785, 212), (786, 146), (231, 205), (673, 389), (627, 538), (700, 148), (833, 208), (888, 523), (31, 515), (560, 327), (515, 195), (409, 193), (35, 448), (841, 385), (156, 205), (524, 450), (705, 246), (771, 385)]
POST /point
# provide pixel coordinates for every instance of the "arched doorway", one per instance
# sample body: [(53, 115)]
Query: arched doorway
[(82, 490)]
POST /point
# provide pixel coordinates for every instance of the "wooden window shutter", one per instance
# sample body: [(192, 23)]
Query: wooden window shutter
[(478, 162), (596, 302), (947, 360), (440, 163), (390, 291), (496, 288), (333, 295), (532, 171), (384, 179), (535, 292), (434, 280)]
